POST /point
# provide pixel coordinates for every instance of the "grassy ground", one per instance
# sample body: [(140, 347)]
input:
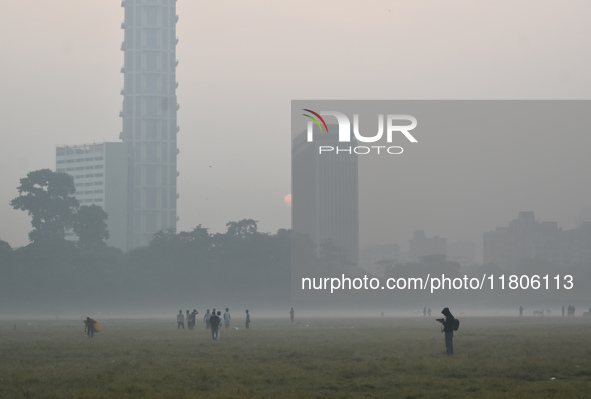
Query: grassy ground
[(315, 358)]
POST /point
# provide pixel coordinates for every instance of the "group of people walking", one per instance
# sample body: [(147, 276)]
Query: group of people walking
[(190, 318), (213, 321)]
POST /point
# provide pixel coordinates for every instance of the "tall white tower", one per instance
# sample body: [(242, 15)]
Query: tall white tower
[(150, 116)]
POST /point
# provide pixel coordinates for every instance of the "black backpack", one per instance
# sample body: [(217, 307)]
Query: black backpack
[(456, 324)]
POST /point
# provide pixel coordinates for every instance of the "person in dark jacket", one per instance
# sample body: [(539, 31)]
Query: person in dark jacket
[(215, 322), (448, 329), (89, 327)]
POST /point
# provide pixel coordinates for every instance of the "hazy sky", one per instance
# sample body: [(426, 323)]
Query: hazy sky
[(240, 64)]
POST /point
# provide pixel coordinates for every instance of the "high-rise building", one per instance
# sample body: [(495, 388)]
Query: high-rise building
[(325, 204), (150, 116), (96, 169)]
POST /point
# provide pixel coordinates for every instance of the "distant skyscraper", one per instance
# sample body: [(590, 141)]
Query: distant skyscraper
[(325, 193), (96, 169), (150, 116)]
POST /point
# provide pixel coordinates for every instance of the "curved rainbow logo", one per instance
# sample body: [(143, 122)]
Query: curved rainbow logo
[(316, 120)]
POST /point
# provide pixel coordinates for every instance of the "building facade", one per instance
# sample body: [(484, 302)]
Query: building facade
[(100, 178), (150, 116), (325, 202), (527, 239)]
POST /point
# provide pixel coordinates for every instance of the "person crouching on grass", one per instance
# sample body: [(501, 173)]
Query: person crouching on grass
[(448, 323)]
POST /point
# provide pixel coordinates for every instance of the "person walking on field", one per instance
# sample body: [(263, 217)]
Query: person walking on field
[(448, 328), (213, 312), (247, 322), (180, 320), (207, 319), (219, 330), (227, 318), (192, 318), (291, 314), (89, 327), (215, 322)]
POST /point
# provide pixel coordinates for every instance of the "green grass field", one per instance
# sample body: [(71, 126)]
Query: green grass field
[(314, 358)]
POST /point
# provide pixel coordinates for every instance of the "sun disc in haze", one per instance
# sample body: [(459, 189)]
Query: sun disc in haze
[(287, 200)]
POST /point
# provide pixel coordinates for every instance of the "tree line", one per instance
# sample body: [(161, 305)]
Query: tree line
[(187, 268), (198, 269)]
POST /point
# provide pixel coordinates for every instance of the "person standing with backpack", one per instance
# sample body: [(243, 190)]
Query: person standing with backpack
[(449, 325)]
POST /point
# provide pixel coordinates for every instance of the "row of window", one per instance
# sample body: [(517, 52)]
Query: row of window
[(150, 106), (150, 61), (91, 200), (88, 192), (153, 128), (149, 39), (87, 176), (138, 135), (149, 83), (62, 170), (154, 175), (150, 15), (154, 198), (92, 183), (61, 161), (155, 152)]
